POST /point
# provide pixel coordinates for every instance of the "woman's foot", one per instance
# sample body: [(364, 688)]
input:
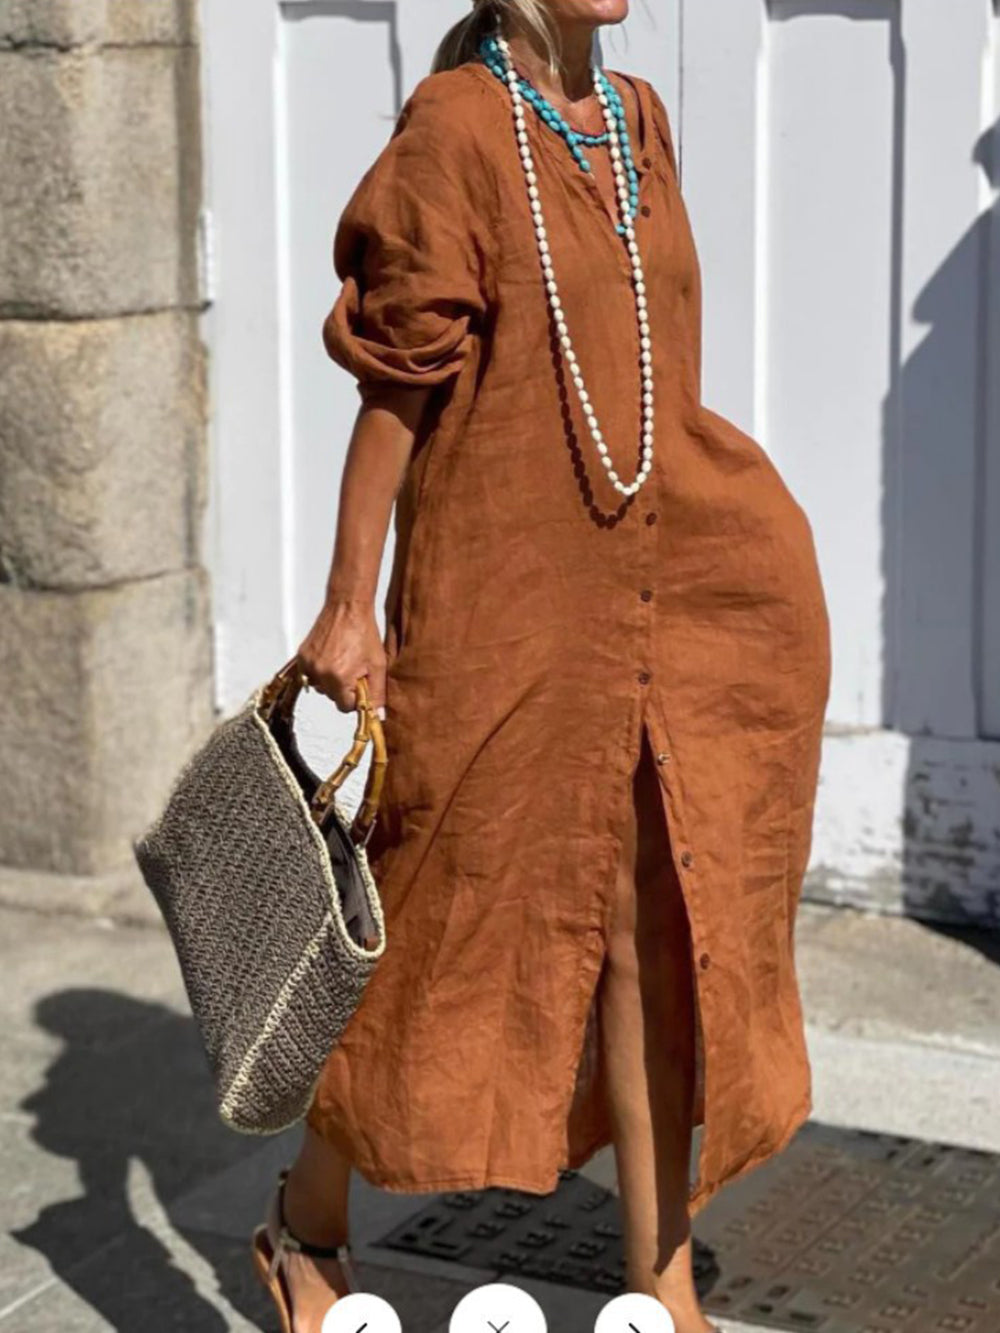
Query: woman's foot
[(674, 1287), (305, 1280), (687, 1316), (688, 1320), (685, 1312)]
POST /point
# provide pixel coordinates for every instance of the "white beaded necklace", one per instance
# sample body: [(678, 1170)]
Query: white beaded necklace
[(555, 305)]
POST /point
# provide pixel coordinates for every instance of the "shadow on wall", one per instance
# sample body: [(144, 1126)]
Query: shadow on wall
[(940, 446), (361, 11), (129, 1086)]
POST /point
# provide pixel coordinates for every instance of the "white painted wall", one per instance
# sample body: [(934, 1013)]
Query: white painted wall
[(850, 246)]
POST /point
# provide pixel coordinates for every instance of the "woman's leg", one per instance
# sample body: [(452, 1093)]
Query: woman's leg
[(647, 1033), (316, 1191), (315, 1203)]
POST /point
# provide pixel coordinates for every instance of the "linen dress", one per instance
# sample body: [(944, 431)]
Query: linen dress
[(536, 621)]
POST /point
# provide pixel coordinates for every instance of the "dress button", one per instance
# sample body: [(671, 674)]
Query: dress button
[(647, 161), (663, 757), (646, 210), (704, 960), (644, 677), (687, 858), (651, 517), (646, 594)]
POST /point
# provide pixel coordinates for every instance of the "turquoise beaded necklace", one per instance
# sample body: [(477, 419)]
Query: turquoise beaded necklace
[(576, 140)]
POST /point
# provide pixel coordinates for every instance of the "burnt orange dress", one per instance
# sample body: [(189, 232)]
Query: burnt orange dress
[(535, 623)]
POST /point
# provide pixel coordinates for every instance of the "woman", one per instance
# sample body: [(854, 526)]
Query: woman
[(605, 669)]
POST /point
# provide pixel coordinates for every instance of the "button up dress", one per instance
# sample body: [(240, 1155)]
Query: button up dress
[(536, 622)]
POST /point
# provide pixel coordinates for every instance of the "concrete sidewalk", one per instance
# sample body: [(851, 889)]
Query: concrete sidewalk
[(128, 1206)]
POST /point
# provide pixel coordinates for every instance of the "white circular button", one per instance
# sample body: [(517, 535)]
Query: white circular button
[(634, 1313), (497, 1305), (361, 1310)]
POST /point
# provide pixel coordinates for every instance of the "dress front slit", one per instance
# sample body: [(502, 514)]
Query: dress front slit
[(590, 1122)]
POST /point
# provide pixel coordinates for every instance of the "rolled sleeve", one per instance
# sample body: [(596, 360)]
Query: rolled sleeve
[(411, 251)]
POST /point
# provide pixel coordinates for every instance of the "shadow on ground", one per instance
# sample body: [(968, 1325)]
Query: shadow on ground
[(130, 1086), (985, 942)]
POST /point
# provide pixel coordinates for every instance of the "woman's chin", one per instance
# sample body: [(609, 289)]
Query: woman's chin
[(590, 11)]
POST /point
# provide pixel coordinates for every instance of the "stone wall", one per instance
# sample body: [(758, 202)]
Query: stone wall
[(105, 646)]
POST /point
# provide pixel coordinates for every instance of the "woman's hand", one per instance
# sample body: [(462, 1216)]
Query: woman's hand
[(342, 645)]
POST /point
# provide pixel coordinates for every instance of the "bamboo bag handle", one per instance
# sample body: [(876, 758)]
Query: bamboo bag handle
[(281, 693)]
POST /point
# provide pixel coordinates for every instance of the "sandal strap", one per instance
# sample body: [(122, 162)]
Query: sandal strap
[(287, 1240)]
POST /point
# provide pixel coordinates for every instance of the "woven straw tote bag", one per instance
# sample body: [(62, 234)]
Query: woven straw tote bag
[(263, 882)]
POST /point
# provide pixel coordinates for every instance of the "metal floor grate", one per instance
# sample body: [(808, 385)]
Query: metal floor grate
[(844, 1232), (571, 1236), (848, 1232)]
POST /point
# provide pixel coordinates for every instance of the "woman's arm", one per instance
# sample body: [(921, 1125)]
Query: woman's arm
[(345, 642)]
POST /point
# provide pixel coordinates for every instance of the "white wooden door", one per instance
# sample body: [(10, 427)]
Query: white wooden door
[(299, 98)]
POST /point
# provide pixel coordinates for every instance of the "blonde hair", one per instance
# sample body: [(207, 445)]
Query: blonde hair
[(461, 42)]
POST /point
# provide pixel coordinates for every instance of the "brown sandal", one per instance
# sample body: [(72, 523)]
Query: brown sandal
[(267, 1260)]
